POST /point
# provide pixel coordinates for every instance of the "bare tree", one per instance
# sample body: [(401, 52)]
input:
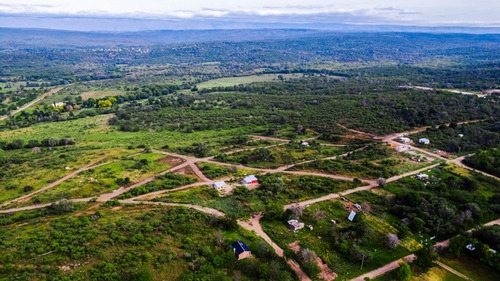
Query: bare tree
[(381, 181), (307, 255), (318, 215), (393, 240), (365, 207), (298, 209), (219, 238)]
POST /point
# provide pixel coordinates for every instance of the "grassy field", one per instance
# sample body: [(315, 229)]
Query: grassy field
[(234, 81), (104, 179), (168, 243), (280, 155), (357, 164), (472, 268), (95, 130), (38, 170), (434, 274)]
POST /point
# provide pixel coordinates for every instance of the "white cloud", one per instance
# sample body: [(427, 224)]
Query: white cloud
[(422, 12)]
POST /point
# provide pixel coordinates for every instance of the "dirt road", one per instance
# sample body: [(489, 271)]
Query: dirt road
[(199, 208), (384, 269), (49, 93), (459, 162)]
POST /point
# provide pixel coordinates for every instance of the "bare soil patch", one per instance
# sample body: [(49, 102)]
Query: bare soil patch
[(171, 161)]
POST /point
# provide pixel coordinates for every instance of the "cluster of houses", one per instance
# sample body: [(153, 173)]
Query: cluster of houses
[(421, 140)]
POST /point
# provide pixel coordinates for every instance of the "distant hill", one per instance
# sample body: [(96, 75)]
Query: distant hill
[(20, 37), (15, 38)]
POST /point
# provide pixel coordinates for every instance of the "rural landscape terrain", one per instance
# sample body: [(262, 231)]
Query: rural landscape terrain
[(329, 155)]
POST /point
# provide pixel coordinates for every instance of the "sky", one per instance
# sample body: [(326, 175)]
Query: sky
[(478, 13)]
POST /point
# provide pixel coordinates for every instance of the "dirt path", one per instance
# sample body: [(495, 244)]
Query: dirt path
[(286, 167), (372, 184), (51, 92), (384, 269), (452, 270), (159, 192), (459, 162), (356, 131), (199, 208), (267, 138), (254, 225)]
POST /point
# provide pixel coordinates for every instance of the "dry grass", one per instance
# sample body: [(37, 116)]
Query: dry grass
[(100, 94)]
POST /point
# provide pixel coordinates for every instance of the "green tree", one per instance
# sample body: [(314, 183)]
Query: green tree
[(404, 272), (457, 245), (425, 258)]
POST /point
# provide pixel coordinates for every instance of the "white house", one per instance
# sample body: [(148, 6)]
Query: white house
[(405, 140), (423, 177), (305, 143), (250, 180), (295, 224), (424, 141), (351, 216), (460, 135), (219, 185)]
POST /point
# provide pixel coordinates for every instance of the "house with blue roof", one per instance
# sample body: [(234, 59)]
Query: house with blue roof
[(241, 250)]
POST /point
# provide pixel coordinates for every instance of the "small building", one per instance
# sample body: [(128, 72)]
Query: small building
[(295, 224), (424, 141), (405, 139), (333, 221), (56, 104), (460, 135), (470, 247), (219, 185), (241, 250), (357, 206), (250, 180), (351, 216), (305, 143), (310, 227), (422, 177)]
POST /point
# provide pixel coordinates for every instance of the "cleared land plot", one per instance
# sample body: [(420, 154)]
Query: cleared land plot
[(104, 179), (370, 163), (101, 94), (38, 170), (234, 81), (280, 155)]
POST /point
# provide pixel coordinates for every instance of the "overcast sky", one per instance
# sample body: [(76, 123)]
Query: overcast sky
[(403, 12)]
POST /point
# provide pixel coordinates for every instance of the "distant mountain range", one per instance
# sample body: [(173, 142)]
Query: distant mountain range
[(125, 24), (26, 38)]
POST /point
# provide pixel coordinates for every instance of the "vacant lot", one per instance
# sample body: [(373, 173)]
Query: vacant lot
[(233, 81), (100, 94)]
